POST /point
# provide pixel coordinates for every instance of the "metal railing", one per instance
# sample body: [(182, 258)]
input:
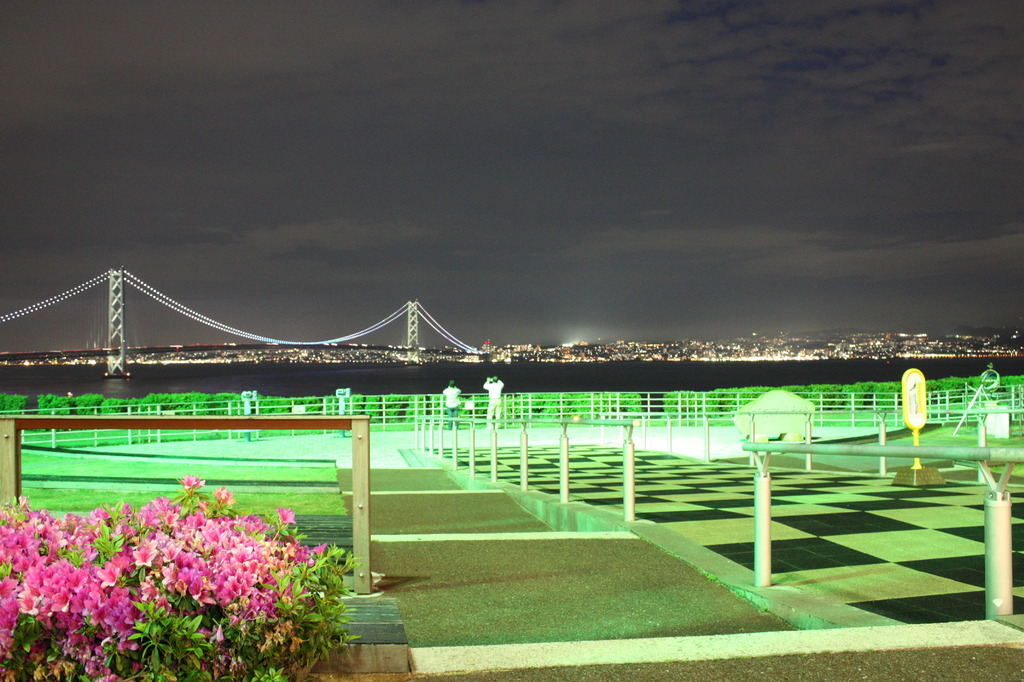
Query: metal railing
[(998, 520), (682, 408), (431, 438)]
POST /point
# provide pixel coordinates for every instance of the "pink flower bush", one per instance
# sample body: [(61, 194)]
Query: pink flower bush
[(173, 586)]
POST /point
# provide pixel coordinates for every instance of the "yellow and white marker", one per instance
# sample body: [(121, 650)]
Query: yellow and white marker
[(915, 406)]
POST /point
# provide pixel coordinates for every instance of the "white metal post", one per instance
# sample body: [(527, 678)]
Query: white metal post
[(998, 544), (882, 462), (707, 439), (455, 446), (753, 437), (563, 478), (807, 439), (494, 453), (763, 524), (440, 439), (629, 478), (524, 459)]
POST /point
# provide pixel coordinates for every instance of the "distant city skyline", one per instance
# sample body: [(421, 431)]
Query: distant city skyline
[(837, 345), (81, 320), (532, 171)]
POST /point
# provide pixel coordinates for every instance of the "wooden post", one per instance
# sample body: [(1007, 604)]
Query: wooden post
[(361, 505), (10, 462)]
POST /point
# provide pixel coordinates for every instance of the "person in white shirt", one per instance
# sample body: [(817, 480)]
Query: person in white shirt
[(451, 402), (493, 386)]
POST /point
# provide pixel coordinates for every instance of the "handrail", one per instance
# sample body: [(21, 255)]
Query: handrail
[(628, 460), (998, 538), (11, 429), (963, 452)]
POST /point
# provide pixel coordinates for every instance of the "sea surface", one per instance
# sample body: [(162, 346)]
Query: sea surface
[(377, 379)]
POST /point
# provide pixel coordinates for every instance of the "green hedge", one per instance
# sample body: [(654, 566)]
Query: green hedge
[(94, 403), (723, 400), (13, 403)]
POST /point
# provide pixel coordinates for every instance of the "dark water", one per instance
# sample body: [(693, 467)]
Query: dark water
[(318, 380)]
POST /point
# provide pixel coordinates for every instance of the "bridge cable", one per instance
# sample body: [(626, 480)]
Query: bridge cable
[(444, 332), (199, 317), (35, 307)]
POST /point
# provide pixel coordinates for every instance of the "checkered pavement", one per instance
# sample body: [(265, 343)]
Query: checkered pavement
[(912, 554)]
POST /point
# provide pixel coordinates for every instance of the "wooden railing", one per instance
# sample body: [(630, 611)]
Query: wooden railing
[(11, 429)]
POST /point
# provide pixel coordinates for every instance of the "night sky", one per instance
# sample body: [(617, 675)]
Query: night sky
[(531, 171)]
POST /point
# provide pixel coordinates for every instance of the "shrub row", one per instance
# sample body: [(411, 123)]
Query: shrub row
[(395, 407)]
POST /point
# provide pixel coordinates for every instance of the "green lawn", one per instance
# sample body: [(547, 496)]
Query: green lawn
[(81, 501), (44, 464)]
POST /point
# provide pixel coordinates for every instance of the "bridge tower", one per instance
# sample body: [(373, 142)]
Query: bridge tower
[(118, 357), (412, 335)]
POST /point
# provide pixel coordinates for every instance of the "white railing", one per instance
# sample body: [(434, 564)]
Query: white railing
[(440, 438), (997, 505), (401, 412)]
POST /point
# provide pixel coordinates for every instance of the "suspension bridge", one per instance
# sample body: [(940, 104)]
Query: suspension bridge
[(116, 351)]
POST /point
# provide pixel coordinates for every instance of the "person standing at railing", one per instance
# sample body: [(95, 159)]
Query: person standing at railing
[(493, 386), (451, 402)]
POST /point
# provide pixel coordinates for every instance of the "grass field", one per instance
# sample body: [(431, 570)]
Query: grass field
[(83, 501), (126, 471), (109, 465)]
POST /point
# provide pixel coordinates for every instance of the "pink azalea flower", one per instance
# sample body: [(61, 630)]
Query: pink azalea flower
[(192, 482), (287, 515), (108, 575), (144, 555), (224, 497)]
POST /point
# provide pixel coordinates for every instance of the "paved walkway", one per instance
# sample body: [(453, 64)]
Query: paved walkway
[(915, 555)]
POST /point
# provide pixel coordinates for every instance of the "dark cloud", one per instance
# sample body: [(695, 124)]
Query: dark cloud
[(528, 170)]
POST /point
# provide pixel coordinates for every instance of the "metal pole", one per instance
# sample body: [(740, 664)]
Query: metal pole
[(882, 462), (455, 446), (763, 525), (668, 432), (361, 505), (807, 439), (998, 544), (494, 453), (629, 478), (472, 450), (563, 479), (524, 457), (998, 556), (753, 437), (707, 439)]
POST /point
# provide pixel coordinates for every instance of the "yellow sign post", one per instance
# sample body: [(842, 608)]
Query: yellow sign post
[(915, 404), (915, 416)]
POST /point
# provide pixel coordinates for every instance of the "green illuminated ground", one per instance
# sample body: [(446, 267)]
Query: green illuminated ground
[(83, 501), (36, 462)]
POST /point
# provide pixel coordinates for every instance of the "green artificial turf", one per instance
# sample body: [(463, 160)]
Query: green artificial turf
[(45, 464), (84, 501)]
